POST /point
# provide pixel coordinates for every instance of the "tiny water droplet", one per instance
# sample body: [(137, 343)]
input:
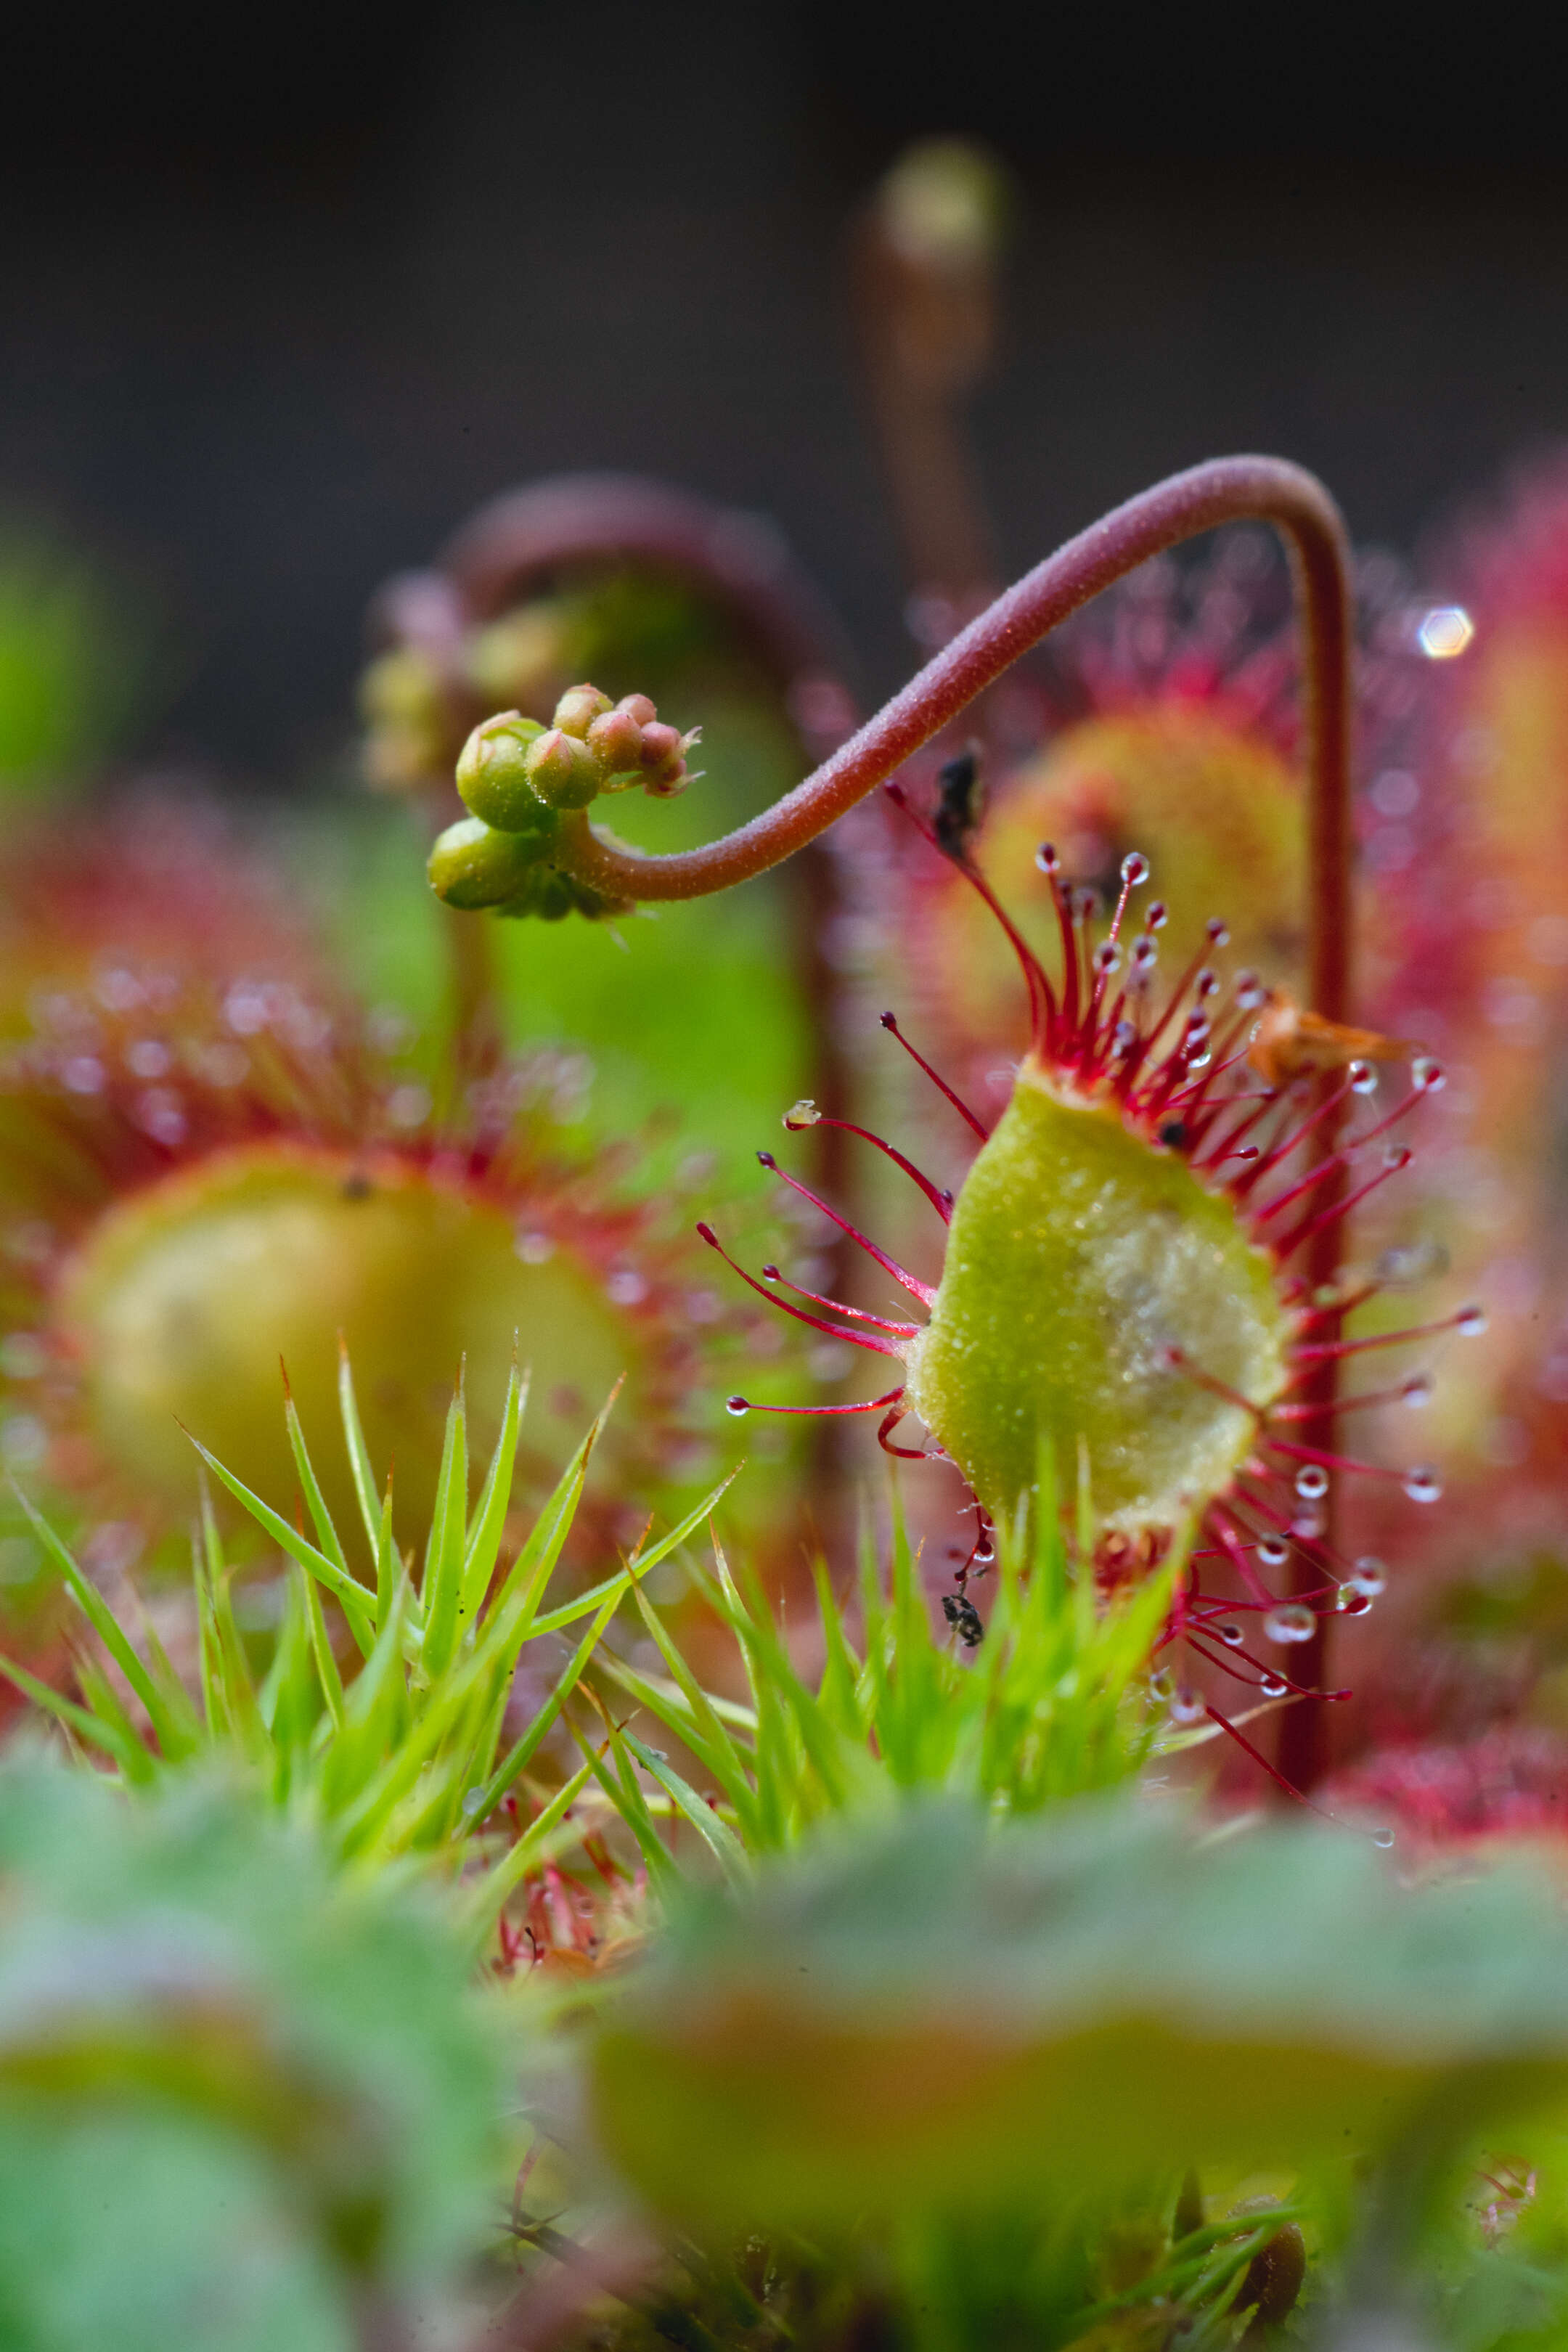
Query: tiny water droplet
[(1230, 1634), (1416, 1391), (1272, 1552), (1352, 1603), (1206, 984), (1145, 956), (1307, 1526), (1135, 868), (736, 1406), (1045, 857), (1186, 1708), (1156, 914), (1217, 931), (1162, 1684), (1427, 1075), (1250, 991), (1363, 1078), (1273, 1685), (802, 1114), (1471, 1321), (1311, 1482), (1108, 957), (1384, 1838), (1369, 1576), (1423, 1485), (1292, 1622), (1397, 1155)]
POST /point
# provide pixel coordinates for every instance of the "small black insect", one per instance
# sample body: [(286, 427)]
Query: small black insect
[(356, 1186), (958, 811), (964, 1618), (1174, 1133)]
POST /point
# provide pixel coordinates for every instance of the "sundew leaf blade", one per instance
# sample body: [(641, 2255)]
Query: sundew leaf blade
[(444, 1550), (724, 1759), (139, 1766), (80, 1720), (721, 1841), (357, 1605), (490, 1897), (522, 1753), (360, 1467), (621, 1788), (311, 1487), (330, 1680), (107, 1626), (484, 1537)]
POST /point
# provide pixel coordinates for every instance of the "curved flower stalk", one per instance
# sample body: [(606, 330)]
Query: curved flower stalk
[(198, 1182), (1164, 718), (498, 622), (1225, 491)]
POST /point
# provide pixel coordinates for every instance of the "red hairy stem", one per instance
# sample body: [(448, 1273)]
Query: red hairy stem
[(1226, 489), (740, 563)]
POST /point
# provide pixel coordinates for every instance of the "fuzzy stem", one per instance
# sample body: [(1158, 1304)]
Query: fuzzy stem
[(1225, 490)]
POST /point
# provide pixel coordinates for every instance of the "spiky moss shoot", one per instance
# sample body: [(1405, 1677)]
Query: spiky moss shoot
[(1085, 1269), (193, 1191)]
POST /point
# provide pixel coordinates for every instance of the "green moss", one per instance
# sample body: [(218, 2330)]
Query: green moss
[(1079, 1256)]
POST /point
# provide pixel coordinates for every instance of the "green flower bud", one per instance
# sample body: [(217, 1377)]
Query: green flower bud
[(492, 775), (1085, 1270), (578, 707), (616, 741), (473, 865), (563, 770)]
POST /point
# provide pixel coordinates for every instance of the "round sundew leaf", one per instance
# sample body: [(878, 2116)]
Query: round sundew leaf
[(924, 2014), (1086, 1272)]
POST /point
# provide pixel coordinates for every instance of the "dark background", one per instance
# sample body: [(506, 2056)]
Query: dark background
[(289, 289)]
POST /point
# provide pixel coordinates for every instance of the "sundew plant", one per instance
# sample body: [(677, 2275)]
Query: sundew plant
[(486, 1862)]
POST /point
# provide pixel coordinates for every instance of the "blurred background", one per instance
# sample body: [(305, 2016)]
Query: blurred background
[(288, 294)]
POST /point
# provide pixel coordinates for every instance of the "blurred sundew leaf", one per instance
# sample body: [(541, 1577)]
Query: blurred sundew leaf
[(920, 2016), (237, 2090)]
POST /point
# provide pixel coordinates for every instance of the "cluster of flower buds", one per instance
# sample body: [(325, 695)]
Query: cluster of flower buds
[(517, 777)]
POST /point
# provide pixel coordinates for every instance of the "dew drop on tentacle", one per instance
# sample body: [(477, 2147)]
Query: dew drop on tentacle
[(1292, 1622), (1369, 1576), (1311, 1482), (1471, 1321), (1363, 1078), (1230, 1634), (1422, 1485), (1427, 1075), (737, 1407), (1416, 1391), (1186, 1708), (1273, 1552), (1273, 1685)]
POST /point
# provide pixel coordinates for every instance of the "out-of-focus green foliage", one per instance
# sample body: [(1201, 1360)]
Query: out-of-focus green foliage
[(242, 2102), (75, 660), (916, 2016)]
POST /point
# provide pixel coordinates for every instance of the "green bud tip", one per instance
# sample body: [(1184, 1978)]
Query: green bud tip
[(493, 778), (473, 865)]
